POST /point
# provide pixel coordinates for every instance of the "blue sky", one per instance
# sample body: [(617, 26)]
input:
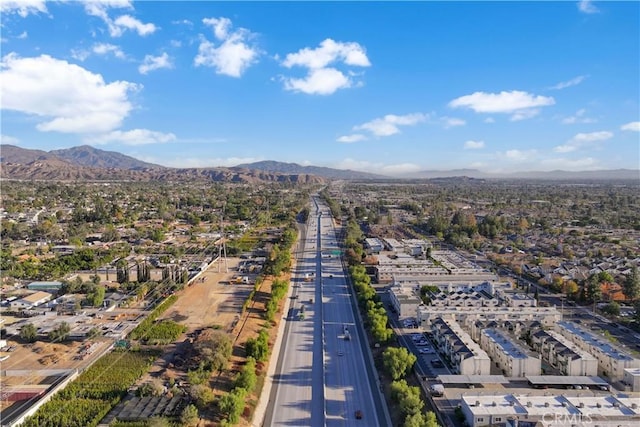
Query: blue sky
[(384, 87)]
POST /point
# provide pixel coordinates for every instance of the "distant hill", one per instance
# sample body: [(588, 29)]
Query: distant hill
[(90, 164), (87, 155), (557, 175), (294, 168), (13, 154)]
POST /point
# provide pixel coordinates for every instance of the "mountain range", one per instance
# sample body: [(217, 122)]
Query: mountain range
[(90, 163)]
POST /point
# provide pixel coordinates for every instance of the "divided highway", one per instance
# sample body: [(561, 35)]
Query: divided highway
[(323, 376)]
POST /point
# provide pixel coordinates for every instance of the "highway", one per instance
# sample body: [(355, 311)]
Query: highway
[(322, 377)]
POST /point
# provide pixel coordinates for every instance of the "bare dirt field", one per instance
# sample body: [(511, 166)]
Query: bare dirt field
[(215, 301)]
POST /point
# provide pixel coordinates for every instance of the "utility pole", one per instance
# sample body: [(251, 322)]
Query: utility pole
[(222, 249)]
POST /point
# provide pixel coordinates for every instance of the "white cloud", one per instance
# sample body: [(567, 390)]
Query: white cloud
[(322, 79), (329, 52), (573, 82), (199, 162), (578, 117), (151, 63), (356, 137), (380, 168), (519, 156), (23, 35), (221, 26), (521, 104), (587, 6), (68, 97), (131, 137), (388, 125), (524, 114), (105, 48), (182, 22), (118, 26), (23, 7), (130, 23), (582, 140), (632, 126), (587, 163), (489, 120), (593, 136), (473, 145), (6, 139), (450, 122), (234, 55)]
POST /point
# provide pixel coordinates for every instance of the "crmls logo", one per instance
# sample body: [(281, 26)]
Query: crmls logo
[(571, 420)]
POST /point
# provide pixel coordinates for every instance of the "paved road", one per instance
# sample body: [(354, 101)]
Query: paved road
[(321, 378)]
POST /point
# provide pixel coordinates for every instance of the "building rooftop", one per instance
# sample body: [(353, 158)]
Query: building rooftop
[(594, 340), (506, 344)]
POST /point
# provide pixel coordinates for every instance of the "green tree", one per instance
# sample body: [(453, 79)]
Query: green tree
[(613, 309), (631, 285), (96, 296), (593, 289), (60, 333), (232, 404), (29, 332), (247, 377), (397, 361), (189, 416)]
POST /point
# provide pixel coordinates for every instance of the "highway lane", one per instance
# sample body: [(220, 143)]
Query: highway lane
[(298, 394), (321, 378), (348, 388)]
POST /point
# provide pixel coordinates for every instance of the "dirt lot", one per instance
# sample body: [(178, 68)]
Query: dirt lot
[(208, 303)]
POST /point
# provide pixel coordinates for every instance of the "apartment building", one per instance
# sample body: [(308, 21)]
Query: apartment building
[(611, 361), (547, 316), (564, 355), (464, 298), (466, 357), (549, 410), (508, 355), (404, 300)]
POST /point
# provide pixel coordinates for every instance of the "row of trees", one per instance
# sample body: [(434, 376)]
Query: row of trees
[(397, 362)]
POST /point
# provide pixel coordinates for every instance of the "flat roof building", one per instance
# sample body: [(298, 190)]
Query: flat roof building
[(513, 359), (553, 411), (631, 378), (404, 301), (547, 316), (563, 354), (611, 361), (467, 358)]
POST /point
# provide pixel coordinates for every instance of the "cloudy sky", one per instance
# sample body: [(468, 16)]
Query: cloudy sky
[(383, 87)]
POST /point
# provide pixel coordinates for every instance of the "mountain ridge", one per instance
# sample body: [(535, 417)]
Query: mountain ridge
[(24, 163)]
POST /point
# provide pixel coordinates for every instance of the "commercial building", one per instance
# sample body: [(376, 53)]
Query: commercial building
[(30, 301), (52, 287), (508, 355), (611, 361), (564, 355), (552, 411), (466, 357), (373, 245)]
